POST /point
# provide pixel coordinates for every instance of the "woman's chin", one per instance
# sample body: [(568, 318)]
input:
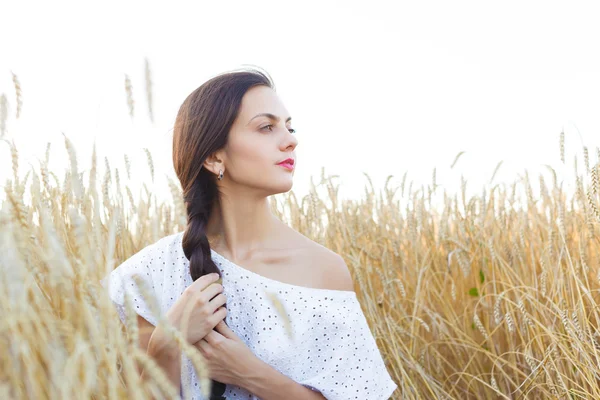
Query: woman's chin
[(285, 186)]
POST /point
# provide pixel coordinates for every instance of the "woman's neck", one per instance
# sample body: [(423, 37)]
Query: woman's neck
[(241, 226)]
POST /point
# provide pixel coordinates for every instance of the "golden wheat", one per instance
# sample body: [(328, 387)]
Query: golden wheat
[(18, 94), (129, 92), (480, 297), (148, 80)]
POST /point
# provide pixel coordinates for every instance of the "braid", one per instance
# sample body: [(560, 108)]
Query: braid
[(201, 128), (199, 200)]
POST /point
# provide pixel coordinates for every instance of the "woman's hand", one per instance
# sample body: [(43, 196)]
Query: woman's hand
[(228, 358), (200, 306)]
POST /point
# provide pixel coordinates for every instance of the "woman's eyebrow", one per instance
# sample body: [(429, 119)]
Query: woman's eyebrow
[(269, 115)]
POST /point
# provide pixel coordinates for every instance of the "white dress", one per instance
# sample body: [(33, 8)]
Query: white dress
[(331, 349)]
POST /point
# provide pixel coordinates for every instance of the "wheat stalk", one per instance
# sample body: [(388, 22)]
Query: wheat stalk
[(18, 95), (129, 93), (148, 80), (3, 114), (562, 146)]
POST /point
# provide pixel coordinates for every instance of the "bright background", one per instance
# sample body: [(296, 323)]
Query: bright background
[(379, 87)]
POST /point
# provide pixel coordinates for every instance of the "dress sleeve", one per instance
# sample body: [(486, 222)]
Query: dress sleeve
[(352, 366), (120, 280)]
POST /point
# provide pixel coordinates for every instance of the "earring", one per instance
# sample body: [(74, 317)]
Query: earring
[(220, 174)]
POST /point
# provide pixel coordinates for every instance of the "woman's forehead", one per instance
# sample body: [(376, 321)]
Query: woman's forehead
[(261, 100)]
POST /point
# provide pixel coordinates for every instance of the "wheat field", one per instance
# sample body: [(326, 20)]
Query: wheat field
[(491, 296)]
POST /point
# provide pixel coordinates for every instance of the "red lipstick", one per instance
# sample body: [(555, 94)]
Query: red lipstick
[(287, 163)]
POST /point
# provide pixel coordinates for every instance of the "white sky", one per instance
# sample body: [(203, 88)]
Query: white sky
[(380, 87)]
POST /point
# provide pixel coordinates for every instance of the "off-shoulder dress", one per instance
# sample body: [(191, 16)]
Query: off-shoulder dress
[(331, 348)]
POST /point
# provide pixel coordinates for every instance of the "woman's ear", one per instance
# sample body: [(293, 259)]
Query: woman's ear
[(214, 163)]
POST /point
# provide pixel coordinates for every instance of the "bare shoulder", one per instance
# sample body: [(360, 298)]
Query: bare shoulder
[(337, 274), (329, 267)]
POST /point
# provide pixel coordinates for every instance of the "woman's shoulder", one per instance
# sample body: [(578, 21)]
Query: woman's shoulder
[(155, 266), (329, 266), (153, 259), (162, 248)]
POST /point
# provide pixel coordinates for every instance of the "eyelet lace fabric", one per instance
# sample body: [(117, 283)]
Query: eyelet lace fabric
[(329, 347)]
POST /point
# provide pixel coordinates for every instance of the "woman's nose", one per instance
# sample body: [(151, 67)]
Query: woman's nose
[(292, 140)]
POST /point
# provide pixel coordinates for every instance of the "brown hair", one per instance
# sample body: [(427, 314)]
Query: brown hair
[(202, 127)]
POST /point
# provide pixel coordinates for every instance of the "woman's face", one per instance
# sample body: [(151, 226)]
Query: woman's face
[(261, 137)]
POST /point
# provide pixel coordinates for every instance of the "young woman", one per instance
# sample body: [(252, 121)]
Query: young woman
[(233, 147)]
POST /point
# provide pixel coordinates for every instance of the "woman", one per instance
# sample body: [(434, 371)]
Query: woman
[(233, 146)]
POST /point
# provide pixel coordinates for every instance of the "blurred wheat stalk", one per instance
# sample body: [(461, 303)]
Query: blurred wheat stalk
[(489, 296)]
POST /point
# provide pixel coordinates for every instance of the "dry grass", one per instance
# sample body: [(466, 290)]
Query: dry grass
[(490, 296)]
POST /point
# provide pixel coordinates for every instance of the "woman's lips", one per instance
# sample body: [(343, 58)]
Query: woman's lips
[(287, 166), (288, 163)]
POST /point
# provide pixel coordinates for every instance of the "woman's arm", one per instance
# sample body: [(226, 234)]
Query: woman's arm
[(167, 355), (267, 383), (230, 360)]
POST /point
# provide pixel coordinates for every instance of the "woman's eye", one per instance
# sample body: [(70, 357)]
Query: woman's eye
[(292, 130)]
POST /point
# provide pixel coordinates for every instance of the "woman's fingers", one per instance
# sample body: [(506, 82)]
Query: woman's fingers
[(211, 291), (205, 284), (218, 301), (203, 346), (226, 331), (214, 338), (218, 316), (204, 281)]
